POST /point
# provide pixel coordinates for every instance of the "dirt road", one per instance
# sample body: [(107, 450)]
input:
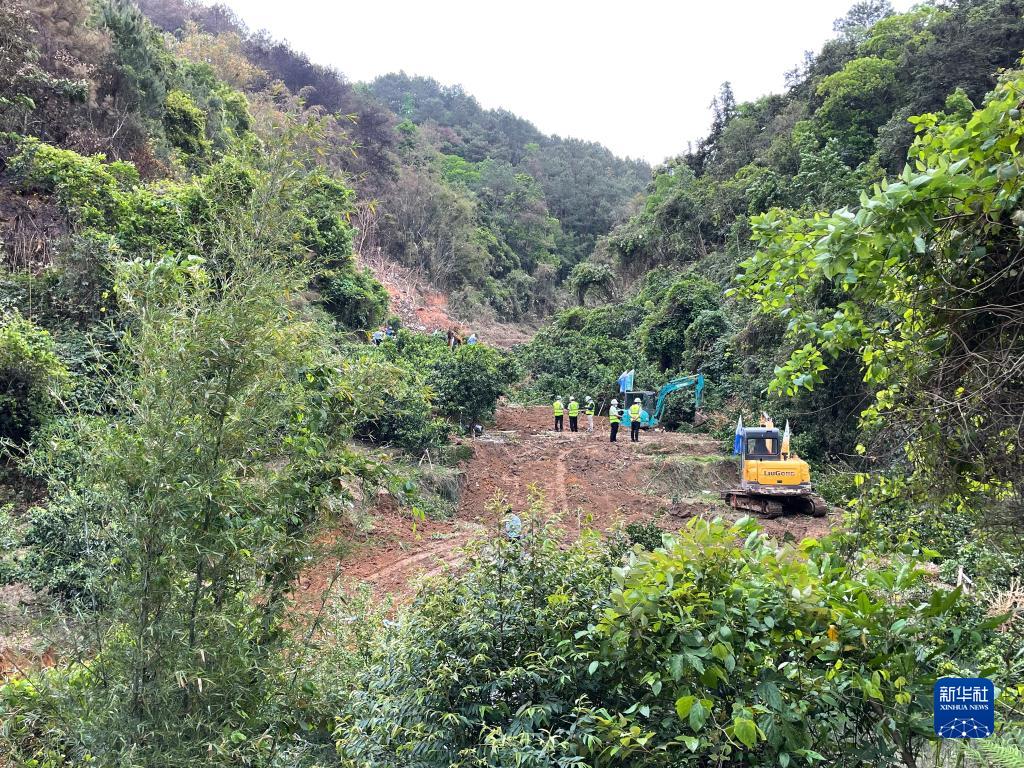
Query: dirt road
[(667, 477)]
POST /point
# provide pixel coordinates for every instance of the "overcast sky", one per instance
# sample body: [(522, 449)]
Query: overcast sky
[(636, 76)]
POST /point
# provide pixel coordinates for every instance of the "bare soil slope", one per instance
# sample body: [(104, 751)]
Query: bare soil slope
[(667, 477)]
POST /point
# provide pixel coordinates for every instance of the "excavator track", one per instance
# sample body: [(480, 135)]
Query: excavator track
[(772, 505)]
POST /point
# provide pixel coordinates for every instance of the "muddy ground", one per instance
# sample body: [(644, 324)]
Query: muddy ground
[(667, 477)]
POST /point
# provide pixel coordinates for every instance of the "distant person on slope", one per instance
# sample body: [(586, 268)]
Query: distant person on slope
[(588, 410), (574, 414), (559, 410), (471, 339), (613, 420), (634, 421)]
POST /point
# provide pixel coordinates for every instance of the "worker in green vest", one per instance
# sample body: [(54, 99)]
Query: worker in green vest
[(588, 410), (634, 420), (613, 419), (574, 414), (559, 410)]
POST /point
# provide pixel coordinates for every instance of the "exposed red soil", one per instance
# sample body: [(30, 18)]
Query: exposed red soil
[(590, 481), (424, 308)]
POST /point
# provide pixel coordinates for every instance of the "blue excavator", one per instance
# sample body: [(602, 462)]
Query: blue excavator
[(652, 404)]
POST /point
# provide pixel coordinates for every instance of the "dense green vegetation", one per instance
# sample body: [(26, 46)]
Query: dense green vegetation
[(184, 369), (721, 646), (189, 402), (840, 127), (863, 229), (482, 203)]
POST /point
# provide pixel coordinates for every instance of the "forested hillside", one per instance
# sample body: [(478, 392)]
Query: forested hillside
[(842, 126), (238, 530), (483, 204)]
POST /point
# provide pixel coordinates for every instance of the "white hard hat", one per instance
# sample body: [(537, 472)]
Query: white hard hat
[(589, 398), (559, 399), (615, 402), (636, 400)]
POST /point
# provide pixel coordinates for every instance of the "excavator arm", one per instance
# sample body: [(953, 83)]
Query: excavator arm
[(683, 382)]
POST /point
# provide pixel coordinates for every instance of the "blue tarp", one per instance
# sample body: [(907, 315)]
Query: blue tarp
[(626, 381)]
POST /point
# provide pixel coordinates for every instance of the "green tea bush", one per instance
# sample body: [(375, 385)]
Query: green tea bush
[(468, 382), (354, 298), (32, 378), (719, 647)]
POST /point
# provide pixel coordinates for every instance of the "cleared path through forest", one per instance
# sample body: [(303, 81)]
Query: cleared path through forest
[(668, 477)]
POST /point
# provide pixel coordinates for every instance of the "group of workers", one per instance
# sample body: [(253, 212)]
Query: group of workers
[(454, 338), (572, 410), (385, 332)]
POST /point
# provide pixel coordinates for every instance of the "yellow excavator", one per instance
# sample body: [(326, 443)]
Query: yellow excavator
[(773, 481)]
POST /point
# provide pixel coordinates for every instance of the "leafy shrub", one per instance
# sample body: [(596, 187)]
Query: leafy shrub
[(469, 381), (32, 377), (837, 486), (663, 333), (647, 535), (324, 205), (480, 671), (588, 276), (9, 541), (393, 405), (69, 548), (571, 362), (86, 187), (84, 270), (185, 124), (720, 647), (726, 648), (700, 336), (67, 543), (354, 298)]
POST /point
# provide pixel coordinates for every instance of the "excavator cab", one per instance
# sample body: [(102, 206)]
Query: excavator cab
[(772, 483), (762, 445), (646, 407), (653, 403)]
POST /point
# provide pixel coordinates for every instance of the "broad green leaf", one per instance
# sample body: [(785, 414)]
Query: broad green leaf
[(698, 716), (744, 729), (683, 706)]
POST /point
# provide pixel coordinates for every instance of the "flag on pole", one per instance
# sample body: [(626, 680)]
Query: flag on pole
[(737, 443), (785, 438)]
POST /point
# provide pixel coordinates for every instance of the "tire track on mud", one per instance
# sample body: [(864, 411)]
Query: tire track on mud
[(668, 477)]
